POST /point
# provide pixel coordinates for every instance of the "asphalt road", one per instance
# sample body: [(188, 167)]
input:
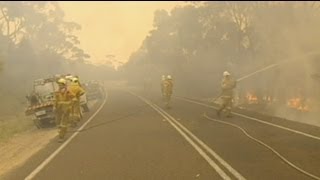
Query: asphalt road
[(128, 139)]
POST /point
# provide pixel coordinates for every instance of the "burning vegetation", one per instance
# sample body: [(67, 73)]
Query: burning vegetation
[(251, 98), (298, 104)]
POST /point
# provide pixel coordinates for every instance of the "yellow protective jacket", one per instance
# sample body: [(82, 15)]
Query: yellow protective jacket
[(162, 85), (76, 89), (168, 86), (227, 86), (64, 99)]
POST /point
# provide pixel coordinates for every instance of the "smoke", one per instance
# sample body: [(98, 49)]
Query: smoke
[(196, 44), (290, 34)]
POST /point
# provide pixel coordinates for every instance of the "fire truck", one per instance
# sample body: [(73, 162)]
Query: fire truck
[(41, 102)]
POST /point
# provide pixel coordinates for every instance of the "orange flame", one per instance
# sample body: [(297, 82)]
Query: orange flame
[(297, 103), (252, 99)]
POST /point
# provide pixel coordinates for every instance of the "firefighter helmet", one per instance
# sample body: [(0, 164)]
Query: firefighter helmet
[(226, 73), (62, 81), (75, 80)]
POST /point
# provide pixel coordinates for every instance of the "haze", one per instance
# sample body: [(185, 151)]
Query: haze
[(151, 74), (116, 28)]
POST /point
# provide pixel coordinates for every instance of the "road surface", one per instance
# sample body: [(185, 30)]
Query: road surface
[(134, 137)]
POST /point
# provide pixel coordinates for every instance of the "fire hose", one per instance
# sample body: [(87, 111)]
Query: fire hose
[(269, 67)]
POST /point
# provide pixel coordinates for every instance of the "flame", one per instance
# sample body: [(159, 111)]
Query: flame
[(298, 104), (252, 99)]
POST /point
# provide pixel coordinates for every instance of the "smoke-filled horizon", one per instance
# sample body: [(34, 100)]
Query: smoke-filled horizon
[(113, 28)]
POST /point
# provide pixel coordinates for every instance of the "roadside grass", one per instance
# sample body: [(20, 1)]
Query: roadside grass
[(13, 121), (12, 125), (12, 118)]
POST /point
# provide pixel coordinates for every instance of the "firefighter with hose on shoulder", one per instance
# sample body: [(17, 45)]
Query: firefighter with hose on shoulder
[(228, 85)]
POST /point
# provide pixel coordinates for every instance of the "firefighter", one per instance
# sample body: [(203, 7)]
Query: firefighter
[(69, 79), (227, 85), (168, 88), (78, 91), (77, 77), (62, 106), (163, 79)]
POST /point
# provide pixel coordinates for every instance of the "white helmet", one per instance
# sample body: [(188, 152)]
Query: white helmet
[(169, 77), (69, 77), (62, 81), (226, 73), (75, 80)]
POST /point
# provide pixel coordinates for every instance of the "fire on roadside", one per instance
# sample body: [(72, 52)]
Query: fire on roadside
[(298, 104), (251, 98)]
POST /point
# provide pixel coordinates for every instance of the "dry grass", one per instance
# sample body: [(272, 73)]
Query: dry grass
[(12, 125), (12, 117)]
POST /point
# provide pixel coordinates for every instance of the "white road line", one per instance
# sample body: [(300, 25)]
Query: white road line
[(55, 153), (169, 118), (267, 146), (197, 148), (207, 148), (258, 120)]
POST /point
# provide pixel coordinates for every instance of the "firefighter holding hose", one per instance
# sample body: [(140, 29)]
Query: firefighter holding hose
[(227, 86)]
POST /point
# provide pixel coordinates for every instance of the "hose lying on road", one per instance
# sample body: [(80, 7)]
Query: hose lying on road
[(140, 108), (270, 148)]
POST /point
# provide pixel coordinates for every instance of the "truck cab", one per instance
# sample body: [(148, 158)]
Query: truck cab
[(41, 102)]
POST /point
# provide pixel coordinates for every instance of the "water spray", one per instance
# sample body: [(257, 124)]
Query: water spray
[(277, 64), (270, 67)]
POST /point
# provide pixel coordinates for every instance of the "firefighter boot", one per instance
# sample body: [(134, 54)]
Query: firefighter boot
[(62, 133), (229, 115), (219, 112)]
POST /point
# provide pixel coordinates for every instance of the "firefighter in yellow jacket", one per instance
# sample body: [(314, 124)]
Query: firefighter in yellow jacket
[(163, 79), (63, 105), (168, 89), (227, 86), (78, 91)]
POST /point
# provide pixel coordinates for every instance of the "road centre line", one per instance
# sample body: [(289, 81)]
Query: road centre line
[(179, 128)]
